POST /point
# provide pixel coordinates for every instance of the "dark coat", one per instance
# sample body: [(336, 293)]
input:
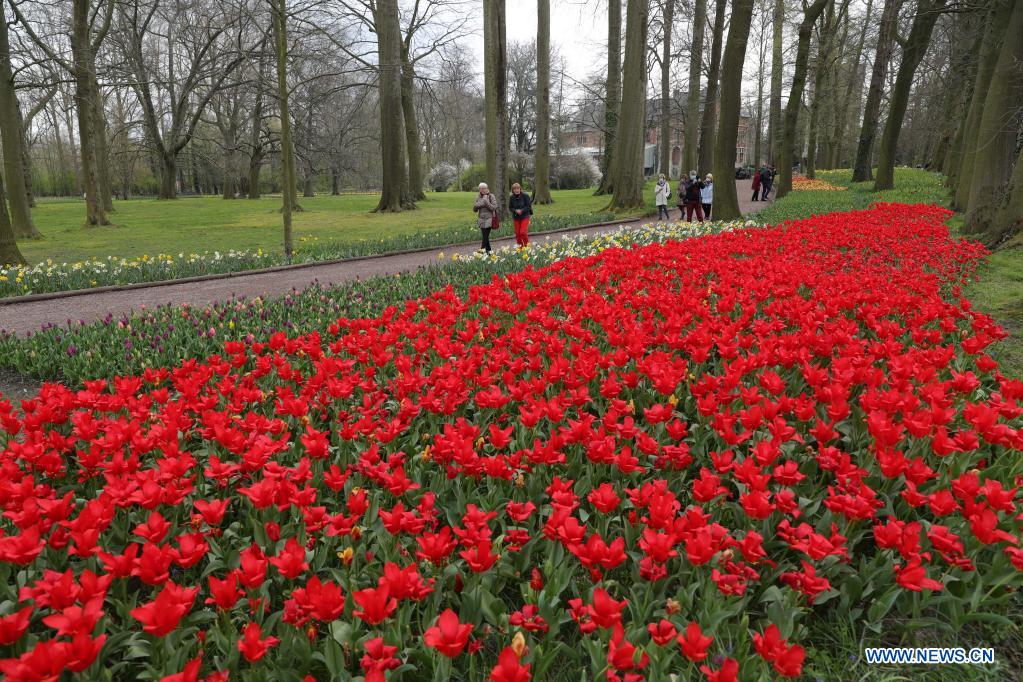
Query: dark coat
[(520, 201)]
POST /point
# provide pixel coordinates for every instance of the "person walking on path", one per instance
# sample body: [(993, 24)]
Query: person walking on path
[(486, 208), (756, 185), (521, 208), (766, 182), (662, 192), (707, 195), (693, 201)]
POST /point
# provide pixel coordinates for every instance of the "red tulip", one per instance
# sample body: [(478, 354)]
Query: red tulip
[(252, 645), (694, 643), (448, 635), (162, 615)]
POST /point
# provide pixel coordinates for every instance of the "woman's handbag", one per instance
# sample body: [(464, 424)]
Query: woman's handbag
[(495, 222)]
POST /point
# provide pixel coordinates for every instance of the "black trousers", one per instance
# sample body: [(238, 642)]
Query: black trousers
[(706, 211), (756, 193), (486, 238)]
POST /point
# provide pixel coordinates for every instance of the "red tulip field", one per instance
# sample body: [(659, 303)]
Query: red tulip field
[(667, 460)]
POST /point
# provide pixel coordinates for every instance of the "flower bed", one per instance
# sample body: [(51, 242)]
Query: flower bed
[(801, 182), (674, 458), (49, 276)]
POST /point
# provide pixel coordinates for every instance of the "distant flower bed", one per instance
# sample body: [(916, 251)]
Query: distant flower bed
[(803, 182), (50, 276)]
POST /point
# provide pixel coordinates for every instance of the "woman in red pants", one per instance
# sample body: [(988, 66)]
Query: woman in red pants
[(521, 208)]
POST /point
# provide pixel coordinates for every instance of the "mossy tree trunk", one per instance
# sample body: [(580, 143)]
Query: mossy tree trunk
[(413, 144), (708, 120), (872, 109), (777, 66), (10, 254), (288, 178), (630, 144), (665, 151), (495, 76), (913, 51), (612, 95), (691, 142), (996, 139), (810, 15), (395, 193), (542, 163), (10, 135), (726, 201), (1008, 220)]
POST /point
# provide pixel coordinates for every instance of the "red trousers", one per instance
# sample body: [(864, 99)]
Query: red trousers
[(522, 231), (694, 206)]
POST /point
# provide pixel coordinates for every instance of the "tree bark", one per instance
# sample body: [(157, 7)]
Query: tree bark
[(810, 16), (862, 168), (628, 169), (726, 201), (542, 162), (927, 13), (612, 95), (394, 195), (495, 76), (168, 176), (10, 135), (692, 154), (256, 157), (993, 37), (288, 184), (820, 70), (413, 145), (1008, 221), (10, 254), (668, 18), (106, 191), (708, 120), (777, 66), (996, 139)]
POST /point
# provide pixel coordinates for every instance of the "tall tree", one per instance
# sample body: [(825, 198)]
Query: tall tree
[(913, 50), (996, 138), (810, 16), (847, 101), (10, 135), (542, 164), (495, 75), (1008, 221), (692, 156), (628, 165), (726, 201), (668, 14), (994, 34), (289, 185), (708, 119), (612, 94), (872, 109), (395, 194), (777, 66), (10, 254), (758, 156), (90, 24)]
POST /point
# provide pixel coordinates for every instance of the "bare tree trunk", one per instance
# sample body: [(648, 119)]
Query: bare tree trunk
[(10, 135), (335, 182), (993, 37), (862, 169), (708, 121), (612, 94), (495, 75), (726, 201), (394, 192), (542, 162), (810, 16), (927, 13), (820, 69), (692, 154), (99, 118), (777, 66), (628, 169), (10, 254), (669, 15), (26, 156), (256, 157), (996, 139), (280, 18), (413, 145)]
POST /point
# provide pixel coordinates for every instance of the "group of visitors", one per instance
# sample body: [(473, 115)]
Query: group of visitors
[(695, 197), (520, 206), (763, 182)]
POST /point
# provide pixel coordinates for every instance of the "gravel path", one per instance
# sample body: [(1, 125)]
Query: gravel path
[(30, 316)]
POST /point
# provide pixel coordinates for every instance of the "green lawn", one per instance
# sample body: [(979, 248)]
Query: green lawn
[(148, 227)]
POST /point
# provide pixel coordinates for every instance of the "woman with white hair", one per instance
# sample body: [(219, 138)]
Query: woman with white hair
[(486, 208)]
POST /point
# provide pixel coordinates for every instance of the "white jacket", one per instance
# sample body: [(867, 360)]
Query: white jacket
[(662, 192), (707, 194)]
